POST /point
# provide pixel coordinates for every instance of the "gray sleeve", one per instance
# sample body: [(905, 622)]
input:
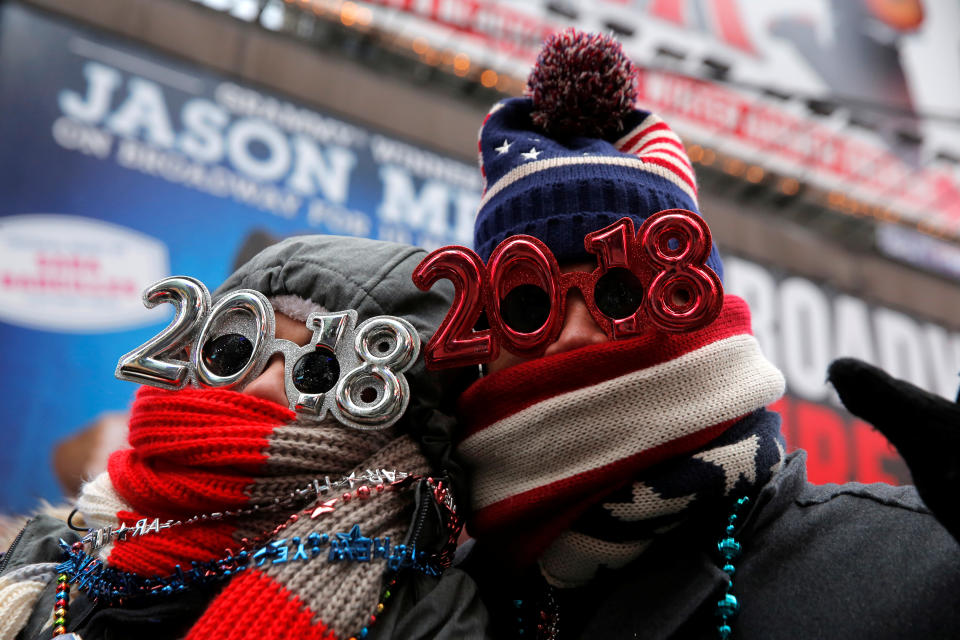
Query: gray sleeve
[(38, 542)]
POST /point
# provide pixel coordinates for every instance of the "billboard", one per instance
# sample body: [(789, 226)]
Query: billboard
[(802, 326), (857, 96), (119, 167)]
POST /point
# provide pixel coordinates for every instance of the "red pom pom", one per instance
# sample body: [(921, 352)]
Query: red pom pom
[(581, 85)]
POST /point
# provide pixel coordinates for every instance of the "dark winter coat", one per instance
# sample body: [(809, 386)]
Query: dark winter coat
[(833, 561)]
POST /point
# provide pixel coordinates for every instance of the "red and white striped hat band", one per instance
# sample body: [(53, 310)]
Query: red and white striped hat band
[(655, 148)]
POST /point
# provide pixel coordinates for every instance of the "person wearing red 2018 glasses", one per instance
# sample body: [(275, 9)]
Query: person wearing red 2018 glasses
[(627, 479)]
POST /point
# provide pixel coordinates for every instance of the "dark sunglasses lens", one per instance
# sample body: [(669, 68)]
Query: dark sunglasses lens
[(316, 372), (227, 354), (618, 293), (525, 308)]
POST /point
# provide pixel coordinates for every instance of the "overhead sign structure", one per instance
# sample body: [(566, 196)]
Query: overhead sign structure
[(120, 167), (880, 78)]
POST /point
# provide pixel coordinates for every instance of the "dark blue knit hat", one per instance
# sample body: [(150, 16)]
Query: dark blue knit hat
[(576, 156)]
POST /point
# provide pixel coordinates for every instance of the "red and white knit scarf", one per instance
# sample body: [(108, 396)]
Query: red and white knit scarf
[(201, 451), (550, 438)]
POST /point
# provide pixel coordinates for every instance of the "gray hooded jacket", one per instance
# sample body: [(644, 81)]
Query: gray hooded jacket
[(339, 273)]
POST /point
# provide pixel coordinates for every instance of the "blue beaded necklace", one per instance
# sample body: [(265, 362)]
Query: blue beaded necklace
[(729, 548)]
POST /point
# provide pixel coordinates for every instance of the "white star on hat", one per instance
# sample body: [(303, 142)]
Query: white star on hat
[(502, 149), (531, 155)]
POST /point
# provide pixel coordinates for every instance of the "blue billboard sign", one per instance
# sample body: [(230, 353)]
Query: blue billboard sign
[(119, 166)]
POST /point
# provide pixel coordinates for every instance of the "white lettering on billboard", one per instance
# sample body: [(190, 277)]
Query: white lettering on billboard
[(266, 167), (102, 81), (898, 344), (802, 327), (854, 337), (202, 137), (269, 154), (804, 323), (426, 209), (325, 169), (943, 350), (145, 111)]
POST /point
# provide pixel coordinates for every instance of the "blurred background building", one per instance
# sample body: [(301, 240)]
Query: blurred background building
[(143, 138)]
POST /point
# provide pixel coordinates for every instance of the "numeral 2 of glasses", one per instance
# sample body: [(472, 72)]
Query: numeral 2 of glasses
[(654, 279), (227, 345)]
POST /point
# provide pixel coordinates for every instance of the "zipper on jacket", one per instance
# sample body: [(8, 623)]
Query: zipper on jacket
[(6, 556), (423, 512)]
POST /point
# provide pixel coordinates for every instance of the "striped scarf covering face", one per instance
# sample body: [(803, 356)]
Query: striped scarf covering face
[(201, 451), (666, 420)]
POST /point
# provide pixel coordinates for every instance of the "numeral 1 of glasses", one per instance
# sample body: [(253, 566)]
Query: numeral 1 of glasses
[(654, 279), (354, 372)]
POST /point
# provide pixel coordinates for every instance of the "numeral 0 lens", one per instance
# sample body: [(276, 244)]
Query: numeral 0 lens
[(525, 308), (245, 314), (227, 354)]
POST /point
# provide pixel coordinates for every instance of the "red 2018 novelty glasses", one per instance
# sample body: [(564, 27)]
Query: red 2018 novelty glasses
[(653, 280)]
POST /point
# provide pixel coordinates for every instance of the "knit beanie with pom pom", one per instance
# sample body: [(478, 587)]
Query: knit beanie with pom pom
[(575, 155)]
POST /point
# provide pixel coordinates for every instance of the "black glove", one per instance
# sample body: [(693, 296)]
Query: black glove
[(924, 428)]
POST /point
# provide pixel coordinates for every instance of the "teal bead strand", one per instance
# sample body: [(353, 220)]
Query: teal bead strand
[(729, 549)]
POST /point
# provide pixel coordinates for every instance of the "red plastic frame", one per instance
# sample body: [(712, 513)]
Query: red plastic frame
[(667, 254)]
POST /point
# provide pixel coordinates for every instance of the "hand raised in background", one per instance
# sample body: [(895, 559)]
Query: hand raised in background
[(924, 427)]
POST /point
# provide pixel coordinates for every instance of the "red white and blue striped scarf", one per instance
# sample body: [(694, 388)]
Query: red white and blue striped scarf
[(579, 458)]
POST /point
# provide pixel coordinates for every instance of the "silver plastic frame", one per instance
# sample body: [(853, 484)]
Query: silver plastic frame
[(371, 394)]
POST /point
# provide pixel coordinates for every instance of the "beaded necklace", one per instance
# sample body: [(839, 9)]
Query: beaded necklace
[(543, 622), (103, 584), (82, 567), (729, 549), (316, 489), (106, 585)]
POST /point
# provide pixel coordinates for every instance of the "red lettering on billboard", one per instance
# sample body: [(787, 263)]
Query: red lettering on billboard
[(839, 448), (820, 432), (669, 10), (839, 158), (730, 26), (871, 450)]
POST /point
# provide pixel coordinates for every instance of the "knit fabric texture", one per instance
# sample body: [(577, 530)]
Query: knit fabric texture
[(373, 278), (200, 451), (551, 438), (613, 532), (558, 188), (19, 592)]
